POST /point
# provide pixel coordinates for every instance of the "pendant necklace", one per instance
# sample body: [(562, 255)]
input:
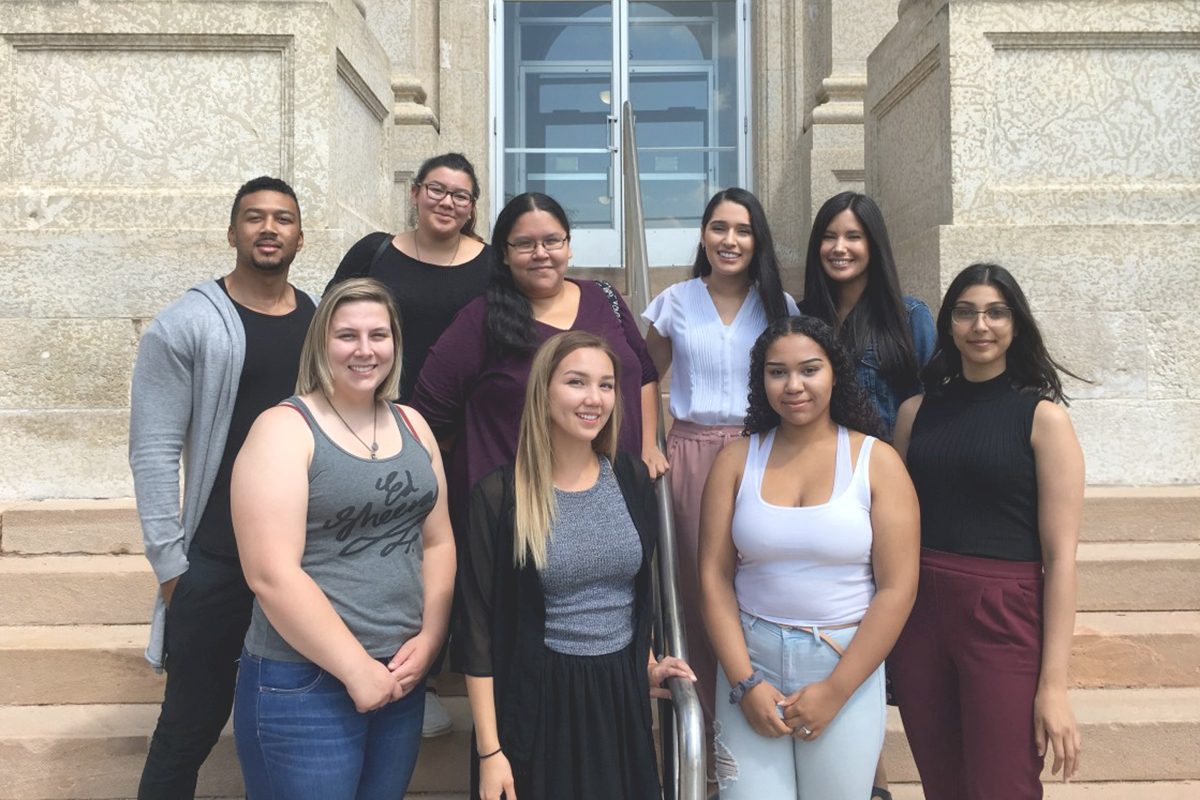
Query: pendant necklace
[(373, 447), (457, 244)]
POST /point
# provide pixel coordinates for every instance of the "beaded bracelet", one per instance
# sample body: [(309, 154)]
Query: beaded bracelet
[(739, 691)]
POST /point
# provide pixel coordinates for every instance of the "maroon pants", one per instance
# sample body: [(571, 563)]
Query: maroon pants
[(965, 672)]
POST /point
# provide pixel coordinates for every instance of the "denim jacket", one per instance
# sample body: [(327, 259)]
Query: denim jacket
[(887, 399)]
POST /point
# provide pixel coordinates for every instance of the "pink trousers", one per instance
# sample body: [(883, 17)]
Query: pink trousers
[(691, 449)]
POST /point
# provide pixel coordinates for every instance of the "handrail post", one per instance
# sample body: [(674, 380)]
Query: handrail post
[(684, 740)]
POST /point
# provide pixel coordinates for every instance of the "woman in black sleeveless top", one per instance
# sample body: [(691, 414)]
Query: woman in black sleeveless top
[(980, 670)]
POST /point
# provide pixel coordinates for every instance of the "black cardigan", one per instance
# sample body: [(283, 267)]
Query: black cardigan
[(502, 630)]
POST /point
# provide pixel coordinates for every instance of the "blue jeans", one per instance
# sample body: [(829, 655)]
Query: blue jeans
[(837, 765), (299, 736)]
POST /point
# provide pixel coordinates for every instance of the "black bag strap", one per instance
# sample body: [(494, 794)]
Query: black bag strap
[(611, 293), (383, 246)]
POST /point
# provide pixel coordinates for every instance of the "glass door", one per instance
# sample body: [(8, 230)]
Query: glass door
[(565, 68)]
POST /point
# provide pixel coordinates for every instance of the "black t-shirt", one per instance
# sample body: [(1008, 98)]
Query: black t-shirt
[(273, 346), (427, 295)]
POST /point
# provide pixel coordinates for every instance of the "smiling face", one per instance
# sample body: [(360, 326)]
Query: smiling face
[(445, 217), (581, 394), (538, 274), (845, 252), (360, 348), (798, 378), (982, 342), (728, 239), (266, 231)]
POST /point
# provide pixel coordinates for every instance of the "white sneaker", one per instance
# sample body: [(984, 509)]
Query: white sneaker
[(437, 722)]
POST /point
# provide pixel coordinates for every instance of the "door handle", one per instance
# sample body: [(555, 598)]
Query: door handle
[(612, 128)]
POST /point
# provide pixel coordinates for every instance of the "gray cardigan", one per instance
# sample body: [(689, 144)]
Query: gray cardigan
[(185, 383)]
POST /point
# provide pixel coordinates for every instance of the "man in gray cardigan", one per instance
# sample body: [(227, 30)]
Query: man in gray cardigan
[(207, 365)]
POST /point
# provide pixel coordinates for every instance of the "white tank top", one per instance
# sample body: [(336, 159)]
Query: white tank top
[(807, 565)]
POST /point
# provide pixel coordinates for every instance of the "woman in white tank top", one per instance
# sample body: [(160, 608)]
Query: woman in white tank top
[(808, 569)]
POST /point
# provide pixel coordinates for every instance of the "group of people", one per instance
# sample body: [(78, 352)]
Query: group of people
[(853, 482)]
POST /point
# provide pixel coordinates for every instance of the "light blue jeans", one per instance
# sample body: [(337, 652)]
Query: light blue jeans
[(837, 765)]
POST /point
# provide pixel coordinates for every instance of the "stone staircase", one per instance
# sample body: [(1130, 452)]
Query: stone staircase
[(78, 702)]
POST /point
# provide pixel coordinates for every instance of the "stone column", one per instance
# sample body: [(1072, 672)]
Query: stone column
[(1059, 138), (841, 33)]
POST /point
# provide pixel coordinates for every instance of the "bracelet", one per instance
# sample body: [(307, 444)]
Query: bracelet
[(739, 691), (497, 751)]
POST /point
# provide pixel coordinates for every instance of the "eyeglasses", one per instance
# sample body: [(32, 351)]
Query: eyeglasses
[(436, 192), (966, 315), (550, 243)]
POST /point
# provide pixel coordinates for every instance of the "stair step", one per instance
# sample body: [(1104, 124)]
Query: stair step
[(1150, 790), (1139, 649), (89, 752), (72, 526), (1141, 514), (78, 589), (1141, 576), (76, 664), (1128, 735)]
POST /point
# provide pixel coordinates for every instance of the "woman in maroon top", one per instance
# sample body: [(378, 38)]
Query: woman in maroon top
[(472, 386)]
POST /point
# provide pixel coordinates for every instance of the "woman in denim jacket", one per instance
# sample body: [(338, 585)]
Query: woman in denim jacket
[(850, 282)]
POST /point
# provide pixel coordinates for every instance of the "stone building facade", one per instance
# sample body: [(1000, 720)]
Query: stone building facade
[(1055, 136)]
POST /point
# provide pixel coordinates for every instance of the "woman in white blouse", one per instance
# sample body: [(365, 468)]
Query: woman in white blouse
[(706, 326)]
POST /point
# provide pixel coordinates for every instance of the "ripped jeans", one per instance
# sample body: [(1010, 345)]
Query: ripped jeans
[(837, 765)]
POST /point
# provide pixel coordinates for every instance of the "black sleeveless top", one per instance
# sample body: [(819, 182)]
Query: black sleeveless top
[(971, 461)]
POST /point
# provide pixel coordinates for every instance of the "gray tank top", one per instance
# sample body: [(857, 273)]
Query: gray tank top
[(362, 543)]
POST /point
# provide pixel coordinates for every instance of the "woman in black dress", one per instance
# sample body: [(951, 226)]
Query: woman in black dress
[(556, 584)]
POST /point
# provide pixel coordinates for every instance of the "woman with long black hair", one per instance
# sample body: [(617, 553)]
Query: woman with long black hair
[(981, 667), (851, 283)]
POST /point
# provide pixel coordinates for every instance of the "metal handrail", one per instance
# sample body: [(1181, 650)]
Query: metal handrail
[(683, 742)]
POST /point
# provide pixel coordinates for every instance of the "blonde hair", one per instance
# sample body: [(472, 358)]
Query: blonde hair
[(314, 373), (534, 504)]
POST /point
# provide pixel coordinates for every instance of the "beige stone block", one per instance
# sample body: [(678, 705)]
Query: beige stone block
[(1110, 350), (1137, 650), (68, 590), (89, 752), (1148, 514), (1139, 577), (64, 664), (71, 526), (65, 363), (76, 453), (1140, 442)]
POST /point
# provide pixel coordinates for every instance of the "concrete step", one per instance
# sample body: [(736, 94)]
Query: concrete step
[(77, 589), (81, 664), (1140, 649), (71, 526), (1129, 735), (89, 752), (1150, 790), (1139, 576), (1141, 514)]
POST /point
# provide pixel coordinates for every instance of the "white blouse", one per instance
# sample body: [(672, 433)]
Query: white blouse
[(710, 371)]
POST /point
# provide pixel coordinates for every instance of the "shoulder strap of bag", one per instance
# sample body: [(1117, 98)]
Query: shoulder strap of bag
[(611, 294)]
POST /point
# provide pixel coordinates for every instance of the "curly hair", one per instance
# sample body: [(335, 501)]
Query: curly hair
[(849, 406)]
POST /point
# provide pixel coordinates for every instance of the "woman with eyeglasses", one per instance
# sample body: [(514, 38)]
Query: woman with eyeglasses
[(557, 591), (850, 282), (472, 386), (432, 270), (705, 327), (980, 669)]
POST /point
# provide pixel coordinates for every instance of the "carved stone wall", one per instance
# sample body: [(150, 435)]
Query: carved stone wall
[(1059, 138), (125, 129)]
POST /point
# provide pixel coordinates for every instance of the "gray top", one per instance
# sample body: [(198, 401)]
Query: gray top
[(362, 543), (185, 383), (592, 559)]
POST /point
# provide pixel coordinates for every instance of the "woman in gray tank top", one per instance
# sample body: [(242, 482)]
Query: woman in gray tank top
[(556, 596), (339, 509)]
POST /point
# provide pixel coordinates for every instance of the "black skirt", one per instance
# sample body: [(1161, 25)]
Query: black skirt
[(594, 740)]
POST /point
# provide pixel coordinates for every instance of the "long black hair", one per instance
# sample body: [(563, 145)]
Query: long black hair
[(509, 321), (849, 406), (459, 163), (764, 265), (879, 316), (1029, 365)]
